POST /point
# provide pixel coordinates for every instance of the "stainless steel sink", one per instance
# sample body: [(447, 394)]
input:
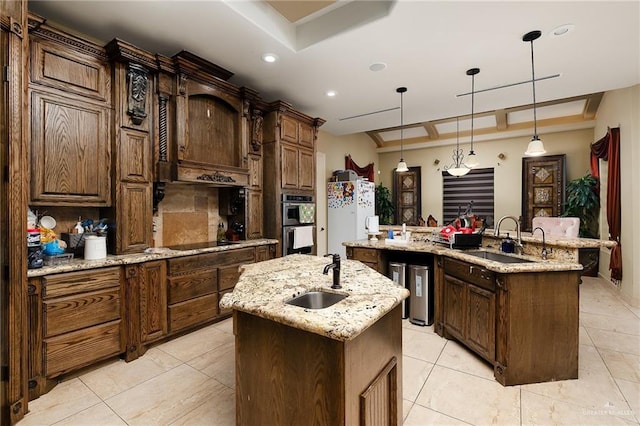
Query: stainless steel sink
[(497, 257), (316, 300)]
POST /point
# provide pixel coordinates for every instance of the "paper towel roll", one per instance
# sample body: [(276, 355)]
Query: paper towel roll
[(95, 248)]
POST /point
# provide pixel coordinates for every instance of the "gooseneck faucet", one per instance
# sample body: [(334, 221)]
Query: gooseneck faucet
[(336, 270), (544, 244), (496, 232)]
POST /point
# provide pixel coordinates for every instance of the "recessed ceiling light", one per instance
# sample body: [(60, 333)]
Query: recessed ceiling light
[(331, 93), (378, 66), (562, 30), (270, 57)]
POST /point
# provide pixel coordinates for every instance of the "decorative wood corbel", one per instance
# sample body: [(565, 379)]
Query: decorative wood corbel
[(137, 84)]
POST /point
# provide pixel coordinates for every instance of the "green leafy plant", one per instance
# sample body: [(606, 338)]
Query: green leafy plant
[(583, 201), (384, 205)]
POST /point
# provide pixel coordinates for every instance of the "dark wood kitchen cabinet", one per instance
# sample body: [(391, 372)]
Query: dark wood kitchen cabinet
[(470, 306), (133, 88), (373, 258), (146, 306), (524, 324), (212, 124), (254, 217), (196, 283), (75, 319), (70, 117), (289, 160)]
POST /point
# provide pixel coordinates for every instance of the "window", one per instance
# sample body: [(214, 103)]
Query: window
[(458, 192)]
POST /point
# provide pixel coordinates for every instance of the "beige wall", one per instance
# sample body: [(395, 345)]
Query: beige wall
[(508, 172), (622, 108), (359, 145)]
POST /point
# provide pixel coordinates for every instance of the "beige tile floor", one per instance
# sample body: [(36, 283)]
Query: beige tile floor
[(190, 380)]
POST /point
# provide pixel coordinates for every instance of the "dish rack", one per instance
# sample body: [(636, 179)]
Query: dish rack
[(458, 240)]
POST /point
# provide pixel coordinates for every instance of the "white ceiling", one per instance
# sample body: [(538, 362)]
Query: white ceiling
[(427, 46)]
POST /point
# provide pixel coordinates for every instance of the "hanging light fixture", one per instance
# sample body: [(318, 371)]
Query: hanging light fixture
[(458, 168), (472, 161), (535, 147), (402, 165)]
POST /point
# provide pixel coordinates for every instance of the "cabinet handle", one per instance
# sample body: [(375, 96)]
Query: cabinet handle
[(470, 269)]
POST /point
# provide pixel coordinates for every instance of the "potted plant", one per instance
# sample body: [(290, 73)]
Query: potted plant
[(384, 205), (583, 201)]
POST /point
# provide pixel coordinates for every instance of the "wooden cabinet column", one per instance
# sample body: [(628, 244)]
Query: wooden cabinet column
[(14, 191), (134, 74)]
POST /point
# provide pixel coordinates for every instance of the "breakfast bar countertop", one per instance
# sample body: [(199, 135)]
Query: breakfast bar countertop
[(529, 264), (264, 288)]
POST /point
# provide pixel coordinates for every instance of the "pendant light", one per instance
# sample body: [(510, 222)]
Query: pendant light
[(472, 161), (458, 168), (402, 165), (535, 147)]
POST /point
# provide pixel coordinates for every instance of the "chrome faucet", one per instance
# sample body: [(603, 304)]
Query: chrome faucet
[(336, 270), (496, 232), (544, 244)]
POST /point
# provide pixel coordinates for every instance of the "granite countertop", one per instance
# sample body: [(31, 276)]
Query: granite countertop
[(156, 253), (527, 237), (263, 289), (537, 264)]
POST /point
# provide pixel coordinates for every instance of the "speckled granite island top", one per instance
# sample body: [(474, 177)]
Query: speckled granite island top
[(264, 288)]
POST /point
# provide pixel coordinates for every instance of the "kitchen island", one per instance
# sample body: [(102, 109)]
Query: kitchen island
[(518, 312), (337, 365)]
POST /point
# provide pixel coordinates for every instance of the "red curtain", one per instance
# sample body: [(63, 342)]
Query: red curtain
[(366, 171), (608, 148)]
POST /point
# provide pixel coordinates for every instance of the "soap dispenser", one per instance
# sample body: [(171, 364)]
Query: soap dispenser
[(508, 245)]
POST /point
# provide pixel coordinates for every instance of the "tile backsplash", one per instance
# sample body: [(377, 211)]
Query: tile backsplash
[(188, 214)]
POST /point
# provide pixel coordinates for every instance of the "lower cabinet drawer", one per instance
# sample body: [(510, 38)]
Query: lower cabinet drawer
[(192, 312), (65, 314), (193, 285), (228, 277), (365, 255), (77, 349)]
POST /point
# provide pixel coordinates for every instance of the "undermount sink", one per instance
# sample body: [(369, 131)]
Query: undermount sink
[(497, 257), (316, 300)]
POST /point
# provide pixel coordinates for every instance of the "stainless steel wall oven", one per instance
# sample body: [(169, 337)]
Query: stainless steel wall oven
[(298, 224)]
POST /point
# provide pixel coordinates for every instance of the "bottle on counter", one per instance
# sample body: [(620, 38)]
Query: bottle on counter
[(221, 234), (78, 229)]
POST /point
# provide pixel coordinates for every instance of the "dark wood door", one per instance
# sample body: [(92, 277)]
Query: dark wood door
[(406, 190), (543, 183)]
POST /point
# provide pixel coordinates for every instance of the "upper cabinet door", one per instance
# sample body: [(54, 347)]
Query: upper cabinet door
[(306, 135), (70, 155), (213, 132), (289, 129), (69, 71)]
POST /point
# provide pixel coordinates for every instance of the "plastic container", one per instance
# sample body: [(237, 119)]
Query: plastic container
[(508, 245), (35, 257), (95, 248)]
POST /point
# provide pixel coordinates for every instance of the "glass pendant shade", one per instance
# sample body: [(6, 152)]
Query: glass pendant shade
[(458, 171), (402, 165), (472, 161), (458, 168), (535, 147)]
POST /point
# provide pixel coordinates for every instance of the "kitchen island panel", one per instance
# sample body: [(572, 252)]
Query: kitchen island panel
[(284, 374)]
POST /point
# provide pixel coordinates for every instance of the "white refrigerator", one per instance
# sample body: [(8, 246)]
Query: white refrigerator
[(349, 204)]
